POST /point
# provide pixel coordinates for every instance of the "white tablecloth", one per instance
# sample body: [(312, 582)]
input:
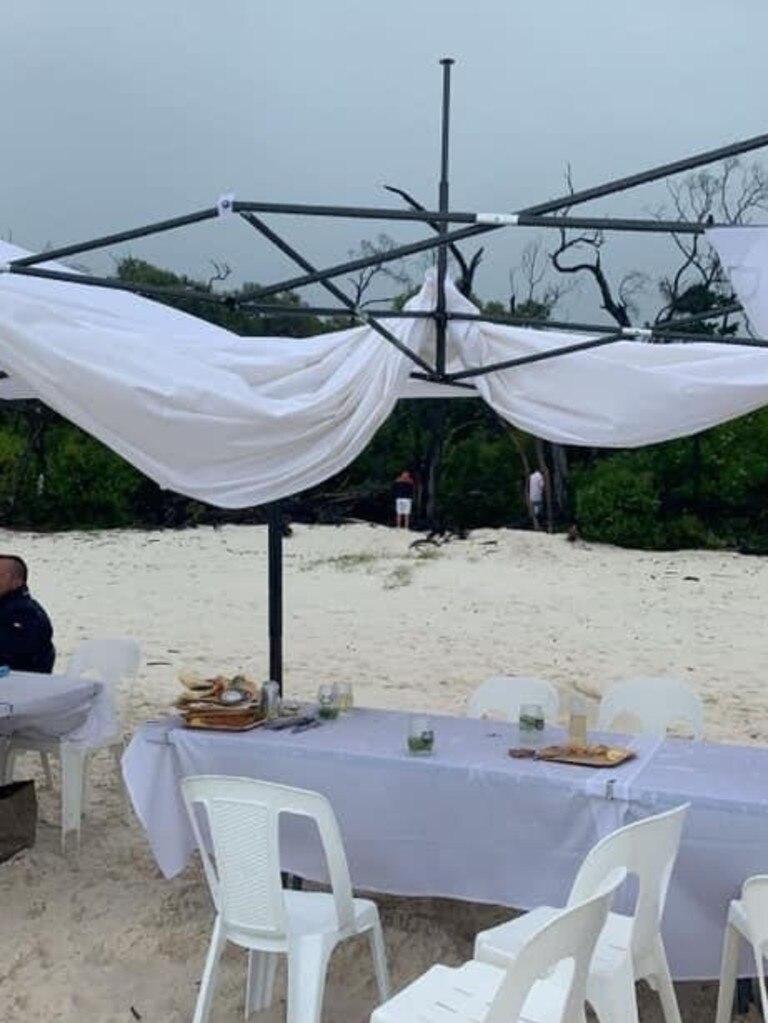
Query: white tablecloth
[(471, 823), (52, 706)]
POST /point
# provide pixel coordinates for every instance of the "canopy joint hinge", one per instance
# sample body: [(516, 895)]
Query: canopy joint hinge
[(643, 332), (501, 219), (225, 204)]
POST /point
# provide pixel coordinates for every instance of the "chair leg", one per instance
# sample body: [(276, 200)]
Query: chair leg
[(728, 969), (210, 972), (261, 981), (665, 986), (379, 956), (117, 753), (7, 757), (73, 760), (45, 762), (614, 997), (307, 965)]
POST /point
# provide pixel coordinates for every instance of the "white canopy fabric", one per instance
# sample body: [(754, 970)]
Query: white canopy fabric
[(238, 421), (743, 252)]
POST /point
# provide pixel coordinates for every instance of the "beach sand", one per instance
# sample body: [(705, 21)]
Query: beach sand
[(102, 937)]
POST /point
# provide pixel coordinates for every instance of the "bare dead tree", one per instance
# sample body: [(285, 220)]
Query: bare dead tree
[(396, 273), (582, 254), (530, 280), (467, 267), (585, 254), (221, 271)]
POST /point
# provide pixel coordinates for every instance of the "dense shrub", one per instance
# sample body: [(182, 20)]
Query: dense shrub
[(617, 502)]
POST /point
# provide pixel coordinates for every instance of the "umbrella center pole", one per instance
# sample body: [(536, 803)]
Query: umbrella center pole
[(441, 320)]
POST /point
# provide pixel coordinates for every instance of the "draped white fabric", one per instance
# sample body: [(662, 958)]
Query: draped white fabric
[(239, 422), (743, 251)]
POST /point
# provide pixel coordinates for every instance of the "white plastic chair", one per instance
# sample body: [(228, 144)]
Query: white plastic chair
[(108, 661), (747, 920), (254, 911), (545, 982), (656, 703), (502, 696), (630, 947)]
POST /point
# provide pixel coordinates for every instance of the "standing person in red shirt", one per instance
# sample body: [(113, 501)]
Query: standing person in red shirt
[(403, 490)]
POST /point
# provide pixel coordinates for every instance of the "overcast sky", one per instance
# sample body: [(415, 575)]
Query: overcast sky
[(114, 115)]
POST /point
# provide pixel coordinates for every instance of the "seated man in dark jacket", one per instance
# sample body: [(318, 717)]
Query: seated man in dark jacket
[(26, 634)]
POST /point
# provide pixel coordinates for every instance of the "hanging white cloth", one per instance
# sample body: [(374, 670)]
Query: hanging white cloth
[(239, 422), (743, 252)]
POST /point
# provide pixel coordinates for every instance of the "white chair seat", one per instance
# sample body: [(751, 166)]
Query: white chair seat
[(447, 994), (499, 944), (315, 913)]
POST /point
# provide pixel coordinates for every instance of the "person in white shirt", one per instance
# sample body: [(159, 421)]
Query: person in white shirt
[(536, 486)]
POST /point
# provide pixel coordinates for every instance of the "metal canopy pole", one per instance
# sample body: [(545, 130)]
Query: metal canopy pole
[(442, 229), (281, 244), (275, 590), (121, 236)]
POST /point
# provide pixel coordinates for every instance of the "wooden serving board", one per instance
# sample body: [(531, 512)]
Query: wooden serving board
[(594, 756), (222, 726)]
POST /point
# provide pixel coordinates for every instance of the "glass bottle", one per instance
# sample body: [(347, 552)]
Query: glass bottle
[(270, 700)]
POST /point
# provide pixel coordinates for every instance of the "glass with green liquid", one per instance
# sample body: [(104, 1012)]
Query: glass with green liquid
[(421, 735), (327, 702), (531, 724)]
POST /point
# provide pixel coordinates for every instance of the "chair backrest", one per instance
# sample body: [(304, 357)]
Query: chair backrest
[(656, 703), (754, 898), (110, 659), (568, 938), (243, 817), (502, 695), (647, 850)]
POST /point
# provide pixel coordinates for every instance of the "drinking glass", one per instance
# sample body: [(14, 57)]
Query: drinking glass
[(531, 724), (577, 722), (327, 702), (346, 697), (421, 735)]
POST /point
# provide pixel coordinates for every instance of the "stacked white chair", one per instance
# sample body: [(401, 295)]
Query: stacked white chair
[(657, 703), (108, 661), (503, 695), (630, 947), (747, 920), (254, 911), (545, 982)]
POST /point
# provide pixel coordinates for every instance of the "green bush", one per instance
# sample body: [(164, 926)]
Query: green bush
[(616, 503)]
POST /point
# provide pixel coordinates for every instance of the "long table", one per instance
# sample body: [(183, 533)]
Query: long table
[(469, 822)]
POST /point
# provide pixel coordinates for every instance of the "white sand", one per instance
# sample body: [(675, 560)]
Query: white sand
[(86, 938)]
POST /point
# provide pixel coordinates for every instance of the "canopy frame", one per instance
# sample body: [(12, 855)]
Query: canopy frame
[(539, 215)]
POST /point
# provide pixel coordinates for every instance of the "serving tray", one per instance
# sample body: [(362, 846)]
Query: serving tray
[(586, 756), (221, 723)]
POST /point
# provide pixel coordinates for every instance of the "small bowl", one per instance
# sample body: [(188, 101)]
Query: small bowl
[(230, 697)]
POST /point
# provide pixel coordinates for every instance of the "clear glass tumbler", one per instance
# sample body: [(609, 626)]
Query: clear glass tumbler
[(421, 735), (327, 702), (531, 724), (346, 697)]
